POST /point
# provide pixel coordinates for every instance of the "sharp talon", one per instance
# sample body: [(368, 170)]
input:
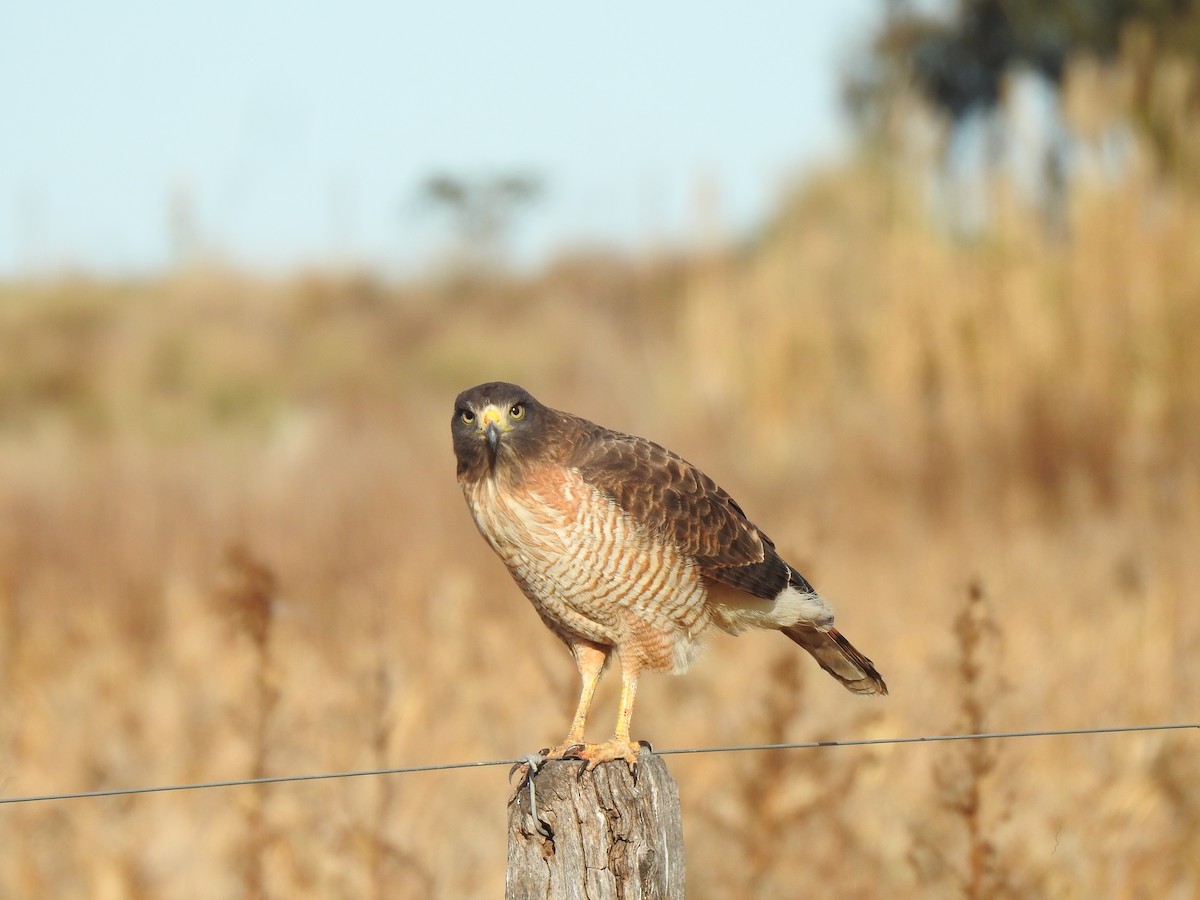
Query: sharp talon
[(572, 751), (634, 764), (584, 767), (647, 745)]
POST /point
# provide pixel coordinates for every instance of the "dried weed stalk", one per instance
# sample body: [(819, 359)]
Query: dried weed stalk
[(785, 800), (965, 792), (389, 865), (248, 598)]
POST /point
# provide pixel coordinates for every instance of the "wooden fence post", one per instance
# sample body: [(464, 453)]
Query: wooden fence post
[(608, 836)]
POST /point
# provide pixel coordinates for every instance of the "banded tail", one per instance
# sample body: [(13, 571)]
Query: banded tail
[(839, 658)]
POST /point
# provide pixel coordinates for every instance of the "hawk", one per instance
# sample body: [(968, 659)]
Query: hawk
[(623, 546)]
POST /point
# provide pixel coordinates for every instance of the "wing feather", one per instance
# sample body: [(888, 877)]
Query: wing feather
[(665, 493)]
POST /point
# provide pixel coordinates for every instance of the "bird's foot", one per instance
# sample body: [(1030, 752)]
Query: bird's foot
[(595, 754)]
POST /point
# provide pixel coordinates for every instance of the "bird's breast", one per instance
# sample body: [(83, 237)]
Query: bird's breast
[(587, 567)]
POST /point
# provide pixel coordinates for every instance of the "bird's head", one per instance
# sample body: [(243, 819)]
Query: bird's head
[(494, 423)]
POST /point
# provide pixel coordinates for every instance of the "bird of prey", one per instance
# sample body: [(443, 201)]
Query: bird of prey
[(623, 546)]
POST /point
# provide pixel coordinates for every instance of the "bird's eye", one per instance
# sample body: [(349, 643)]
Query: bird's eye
[(517, 411), (466, 416)]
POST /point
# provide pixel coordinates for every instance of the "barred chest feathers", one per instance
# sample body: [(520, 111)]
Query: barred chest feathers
[(588, 569)]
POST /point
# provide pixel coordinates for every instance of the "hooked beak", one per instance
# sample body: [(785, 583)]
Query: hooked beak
[(493, 424)]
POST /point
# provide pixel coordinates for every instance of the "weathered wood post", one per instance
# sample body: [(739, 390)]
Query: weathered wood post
[(607, 836)]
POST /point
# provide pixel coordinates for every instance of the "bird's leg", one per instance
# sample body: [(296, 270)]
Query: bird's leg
[(620, 746), (591, 660), (629, 680)]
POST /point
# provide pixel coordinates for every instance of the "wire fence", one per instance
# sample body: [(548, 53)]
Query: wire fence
[(736, 748)]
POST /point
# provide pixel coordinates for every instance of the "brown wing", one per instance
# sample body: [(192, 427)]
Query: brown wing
[(665, 493)]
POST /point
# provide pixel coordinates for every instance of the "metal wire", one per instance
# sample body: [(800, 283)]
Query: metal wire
[(988, 736), (738, 748)]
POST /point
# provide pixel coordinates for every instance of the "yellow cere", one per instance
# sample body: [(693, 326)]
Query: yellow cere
[(492, 414)]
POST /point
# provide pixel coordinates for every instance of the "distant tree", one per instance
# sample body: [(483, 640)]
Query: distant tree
[(994, 70), (958, 61), (481, 210)]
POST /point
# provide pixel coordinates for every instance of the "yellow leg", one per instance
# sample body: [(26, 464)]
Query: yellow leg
[(629, 680), (619, 747), (591, 660)]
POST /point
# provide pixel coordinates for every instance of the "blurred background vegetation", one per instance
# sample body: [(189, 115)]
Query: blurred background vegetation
[(955, 376)]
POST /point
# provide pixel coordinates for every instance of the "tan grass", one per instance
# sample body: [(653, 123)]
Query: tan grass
[(907, 416)]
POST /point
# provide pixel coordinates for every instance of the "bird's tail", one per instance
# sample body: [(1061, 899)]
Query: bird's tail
[(839, 658)]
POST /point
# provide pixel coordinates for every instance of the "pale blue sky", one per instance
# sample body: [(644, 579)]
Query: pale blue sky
[(300, 130)]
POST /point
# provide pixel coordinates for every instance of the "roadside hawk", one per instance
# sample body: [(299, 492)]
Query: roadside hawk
[(623, 546)]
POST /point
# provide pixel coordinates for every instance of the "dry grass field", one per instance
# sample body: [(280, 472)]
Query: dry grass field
[(231, 545)]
